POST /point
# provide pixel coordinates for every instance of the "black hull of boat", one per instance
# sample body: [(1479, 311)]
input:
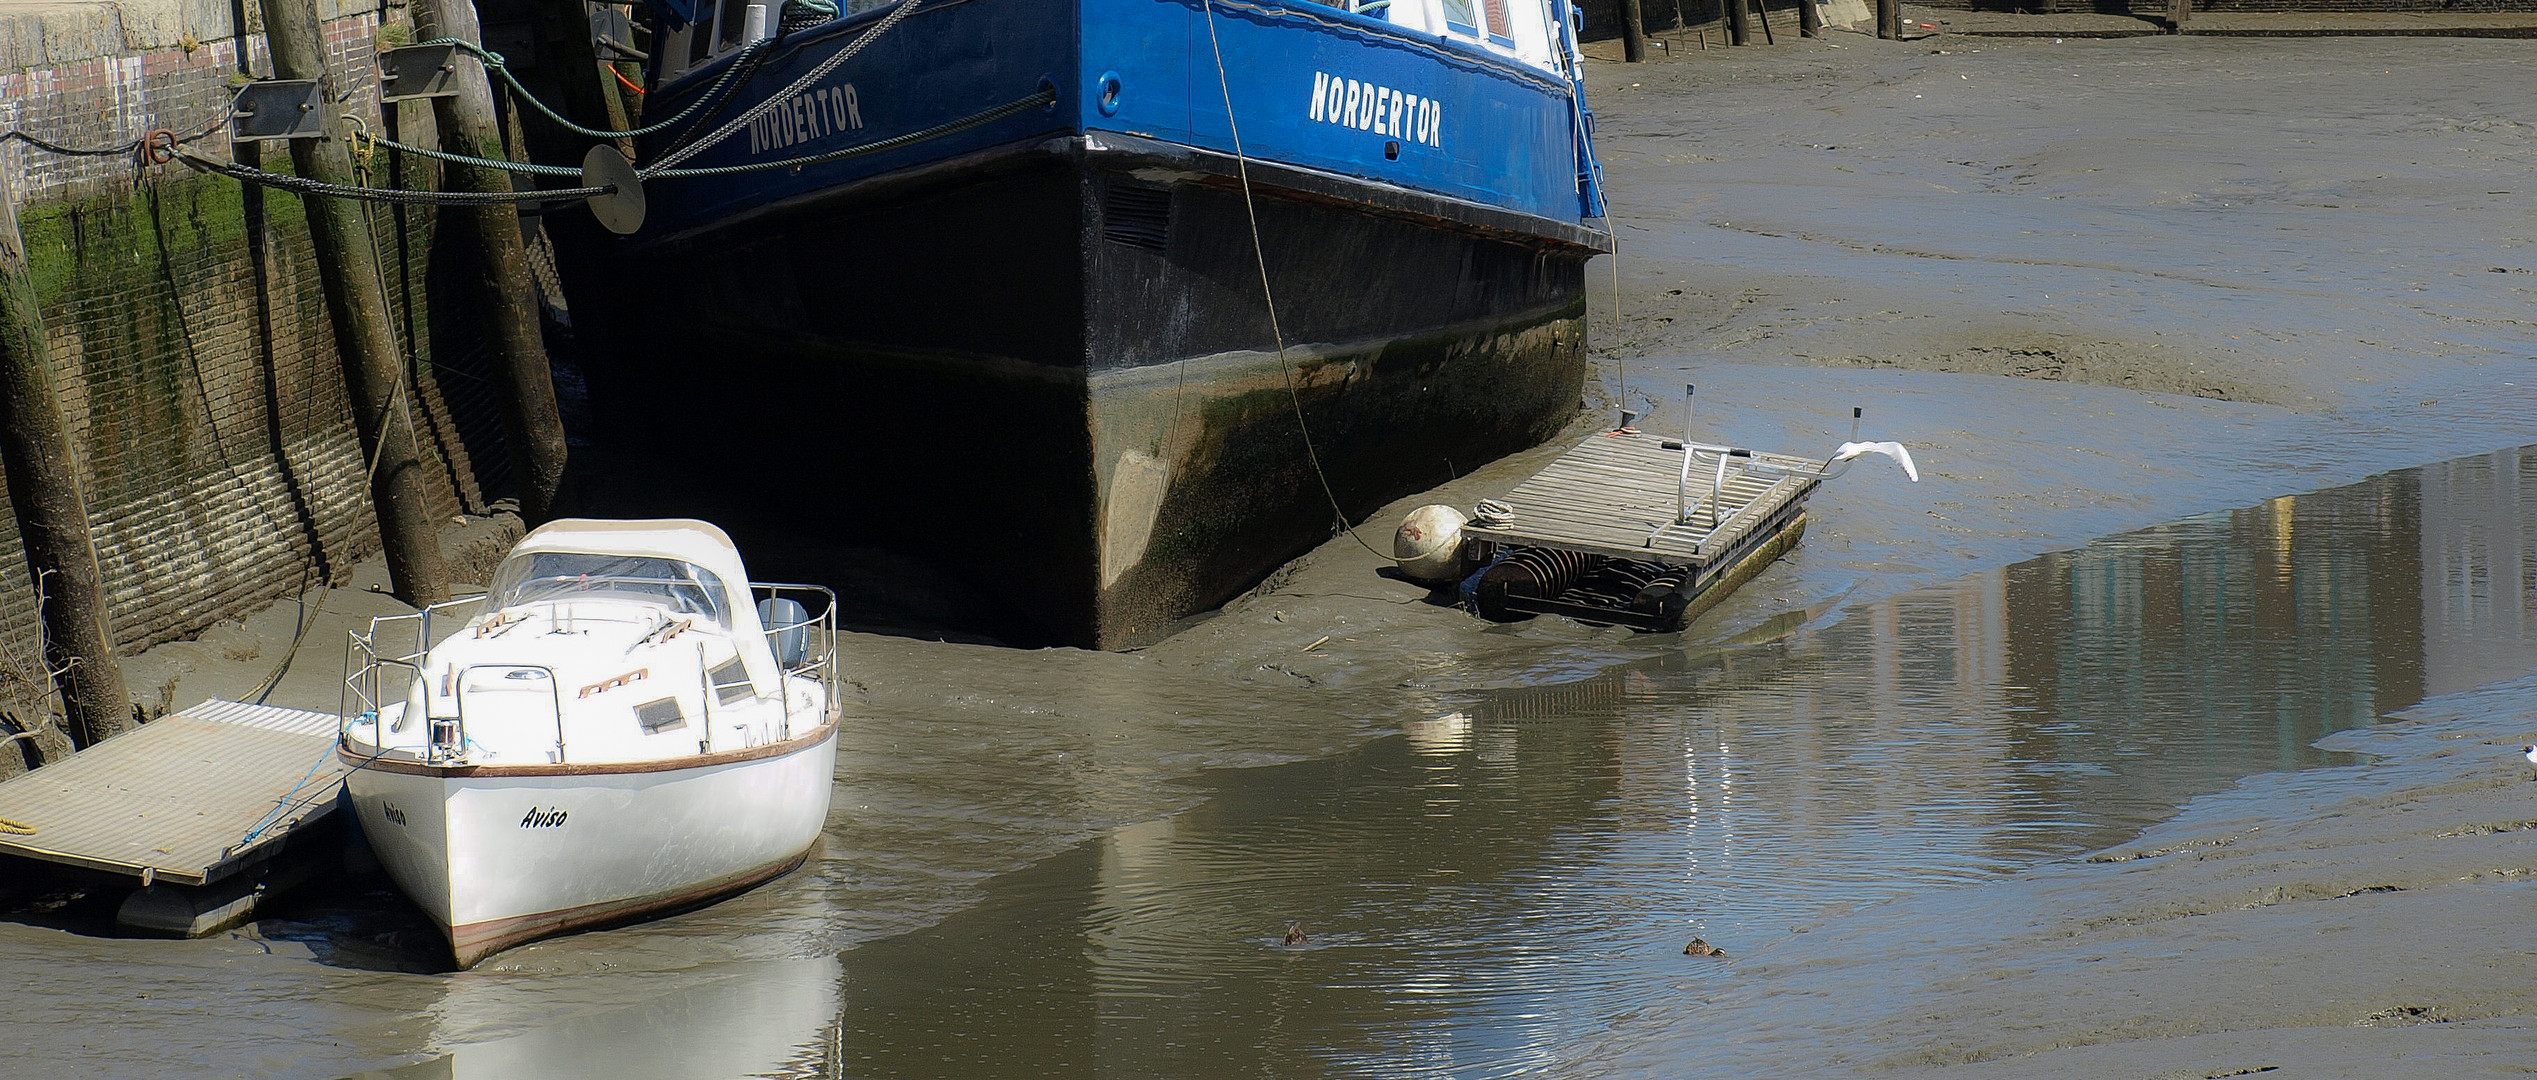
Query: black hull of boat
[(1048, 369)]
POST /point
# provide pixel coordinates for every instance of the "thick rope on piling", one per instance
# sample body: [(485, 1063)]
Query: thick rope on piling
[(746, 61), (305, 186)]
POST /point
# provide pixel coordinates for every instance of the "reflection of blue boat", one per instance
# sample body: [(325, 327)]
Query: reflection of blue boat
[(1050, 308)]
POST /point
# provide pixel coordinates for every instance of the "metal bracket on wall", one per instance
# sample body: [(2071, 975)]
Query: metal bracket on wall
[(278, 109), (417, 71)]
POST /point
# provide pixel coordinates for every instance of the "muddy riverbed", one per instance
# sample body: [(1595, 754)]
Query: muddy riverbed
[(2217, 356)]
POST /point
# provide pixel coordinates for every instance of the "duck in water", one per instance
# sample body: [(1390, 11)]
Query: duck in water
[(1295, 934), (1702, 948)]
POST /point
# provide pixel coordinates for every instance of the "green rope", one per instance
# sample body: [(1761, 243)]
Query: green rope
[(466, 159), (493, 62), (835, 60), (305, 186)]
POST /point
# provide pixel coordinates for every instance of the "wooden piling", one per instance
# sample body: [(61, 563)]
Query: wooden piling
[(1763, 8), (43, 478), (532, 425), (1889, 19), (1739, 23), (1633, 32), (589, 91), (357, 304), (1809, 19)]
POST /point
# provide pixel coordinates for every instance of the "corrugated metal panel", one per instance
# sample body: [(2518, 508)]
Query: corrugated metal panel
[(177, 795), (276, 718)]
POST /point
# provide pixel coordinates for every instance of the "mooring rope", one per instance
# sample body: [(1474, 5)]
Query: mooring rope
[(1268, 296), (503, 164), (305, 186), (781, 97), (494, 62), (134, 145)]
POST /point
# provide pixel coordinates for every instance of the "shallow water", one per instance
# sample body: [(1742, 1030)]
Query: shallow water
[(1482, 891)]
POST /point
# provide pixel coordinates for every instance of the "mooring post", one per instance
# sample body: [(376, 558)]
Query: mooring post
[(1739, 23), (590, 92), (61, 556), (1633, 32), (2179, 12), (468, 126), (357, 304), (1809, 19), (1889, 19)]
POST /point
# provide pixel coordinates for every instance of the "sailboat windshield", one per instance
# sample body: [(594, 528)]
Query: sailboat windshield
[(544, 576)]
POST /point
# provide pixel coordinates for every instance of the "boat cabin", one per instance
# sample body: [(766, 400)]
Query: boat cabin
[(600, 641)]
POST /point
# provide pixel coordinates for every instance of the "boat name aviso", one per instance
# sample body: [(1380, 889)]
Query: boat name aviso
[(544, 819)]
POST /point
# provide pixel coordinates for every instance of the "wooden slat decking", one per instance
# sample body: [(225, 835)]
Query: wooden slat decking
[(1614, 495), (176, 796)]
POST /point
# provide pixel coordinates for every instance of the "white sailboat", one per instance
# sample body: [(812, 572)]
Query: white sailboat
[(617, 731)]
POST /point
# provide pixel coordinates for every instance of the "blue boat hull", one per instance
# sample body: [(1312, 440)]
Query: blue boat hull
[(1062, 332)]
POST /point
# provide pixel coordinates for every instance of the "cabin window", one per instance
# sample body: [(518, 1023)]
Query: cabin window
[(547, 576), (659, 716), (731, 683), (1501, 28), (733, 14), (1462, 17)]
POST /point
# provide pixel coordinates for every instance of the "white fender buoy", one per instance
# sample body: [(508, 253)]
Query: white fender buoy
[(1428, 546)]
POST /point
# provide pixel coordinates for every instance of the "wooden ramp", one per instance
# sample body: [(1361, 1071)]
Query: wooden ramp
[(1633, 497), (189, 798)]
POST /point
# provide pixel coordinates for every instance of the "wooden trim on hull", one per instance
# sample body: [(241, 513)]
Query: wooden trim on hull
[(475, 941), (398, 761)]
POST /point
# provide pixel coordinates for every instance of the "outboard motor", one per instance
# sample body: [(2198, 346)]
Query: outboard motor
[(787, 630)]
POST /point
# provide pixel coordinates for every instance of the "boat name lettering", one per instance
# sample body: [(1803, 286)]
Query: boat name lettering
[(814, 114), (1382, 110), (544, 819), (389, 810)]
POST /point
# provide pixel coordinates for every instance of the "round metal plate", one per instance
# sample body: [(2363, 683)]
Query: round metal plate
[(621, 210)]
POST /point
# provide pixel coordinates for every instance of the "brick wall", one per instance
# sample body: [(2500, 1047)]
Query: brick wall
[(191, 348)]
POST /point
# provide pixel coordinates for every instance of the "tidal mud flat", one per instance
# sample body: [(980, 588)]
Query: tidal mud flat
[(2098, 286)]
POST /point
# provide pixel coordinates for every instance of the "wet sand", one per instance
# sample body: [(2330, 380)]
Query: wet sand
[(2333, 234), (2097, 285)]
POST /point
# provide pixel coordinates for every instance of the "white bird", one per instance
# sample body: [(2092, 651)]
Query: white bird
[(2529, 752), (1893, 450)]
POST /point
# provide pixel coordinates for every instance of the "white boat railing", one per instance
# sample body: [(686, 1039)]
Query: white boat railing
[(372, 657), (365, 661)]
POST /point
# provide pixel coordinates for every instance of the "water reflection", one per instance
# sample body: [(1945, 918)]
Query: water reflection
[(1484, 888), (767, 1018)]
